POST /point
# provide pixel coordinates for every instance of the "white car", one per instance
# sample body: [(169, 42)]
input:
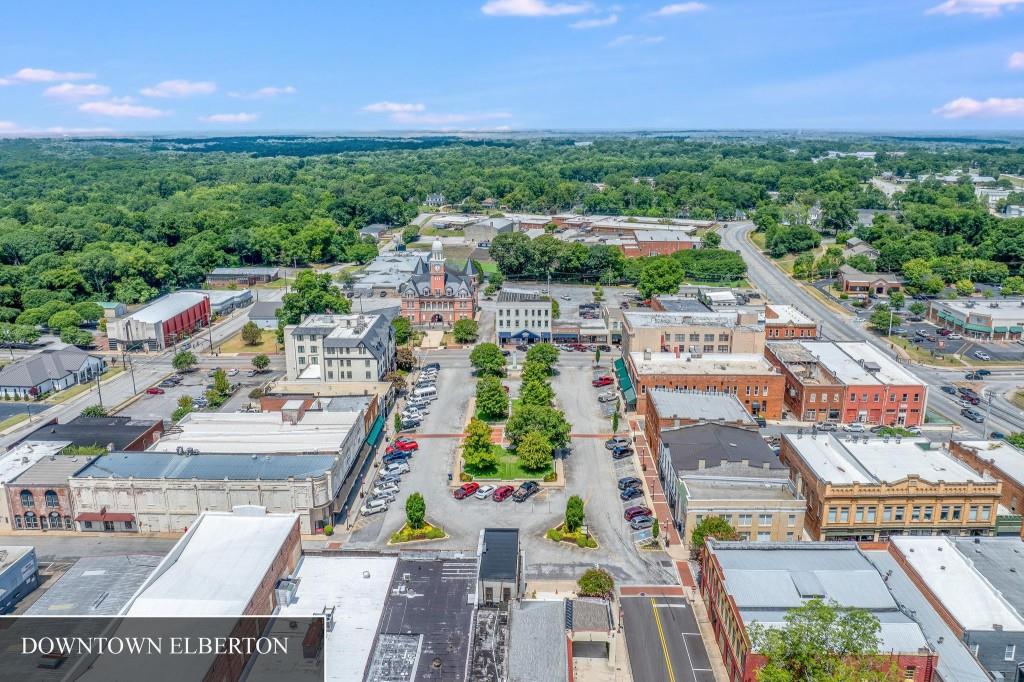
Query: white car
[(373, 507), (383, 496), (395, 468), (955, 337), (565, 297), (484, 492), (384, 489), (855, 427), (233, 371), (982, 355)]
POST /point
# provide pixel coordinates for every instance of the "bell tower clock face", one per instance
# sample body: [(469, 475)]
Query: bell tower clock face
[(437, 268)]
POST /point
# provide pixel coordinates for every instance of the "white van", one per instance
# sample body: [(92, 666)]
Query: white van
[(425, 392)]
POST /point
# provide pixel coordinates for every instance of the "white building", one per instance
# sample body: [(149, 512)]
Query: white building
[(523, 316), (334, 348)]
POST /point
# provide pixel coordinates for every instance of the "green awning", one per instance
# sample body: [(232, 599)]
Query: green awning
[(978, 328), (1016, 330), (376, 430), (629, 395), (943, 315), (1000, 329)]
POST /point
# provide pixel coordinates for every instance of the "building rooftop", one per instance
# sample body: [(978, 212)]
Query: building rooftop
[(254, 271), (216, 567), (356, 588), (682, 319), (96, 586), (707, 363), (874, 461), (47, 364), (682, 304), (853, 363), (11, 554), (499, 554), (1007, 458), (537, 644), (699, 406), (265, 309), (773, 490), (717, 444), (156, 465), (520, 296), (996, 559), (787, 314), (25, 454), (112, 432), (852, 274), (53, 470), (1010, 311), (167, 307), (958, 585), (665, 236), (260, 432)]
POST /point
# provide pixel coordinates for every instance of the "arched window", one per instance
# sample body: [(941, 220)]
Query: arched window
[(55, 521), (67, 523), (17, 521), (31, 521), (27, 501), (51, 499)]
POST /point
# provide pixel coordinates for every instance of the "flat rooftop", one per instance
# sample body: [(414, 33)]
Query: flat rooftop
[(167, 306), (520, 296), (951, 576), (118, 432), (52, 470), (26, 454), (699, 406), (777, 490), (156, 465), (354, 326), (787, 314), (11, 554), (705, 318), (1009, 311), (708, 363), (537, 643), (96, 586), (216, 567), (858, 363), (260, 433), (878, 460), (1009, 459), (994, 558)]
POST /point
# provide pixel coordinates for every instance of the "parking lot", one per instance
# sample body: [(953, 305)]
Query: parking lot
[(999, 351), (160, 406)]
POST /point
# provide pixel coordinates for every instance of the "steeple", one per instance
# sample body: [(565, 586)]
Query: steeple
[(437, 268)]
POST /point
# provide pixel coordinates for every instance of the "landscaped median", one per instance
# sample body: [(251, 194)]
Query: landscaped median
[(416, 528), (572, 529)]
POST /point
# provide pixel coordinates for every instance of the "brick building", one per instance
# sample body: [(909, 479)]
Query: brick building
[(846, 383), (162, 323), (857, 284), (787, 322), (671, 409), (723, 331), (657, 243), (40, 497), (749, 377), (1005, 463), (873, 488), (439, 295)]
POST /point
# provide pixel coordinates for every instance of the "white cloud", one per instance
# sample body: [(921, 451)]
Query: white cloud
[(393, 107), (240, 117), (1016, 60), (7, 125), (180, 88), (30, 75), (446, 119), (73, 91), (986, 8), (680, 8), (121, 108), (533, 8), (584, 24), (630, 39), (265, 93), (993, 107)]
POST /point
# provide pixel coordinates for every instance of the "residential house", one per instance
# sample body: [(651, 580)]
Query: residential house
[(49, 371)]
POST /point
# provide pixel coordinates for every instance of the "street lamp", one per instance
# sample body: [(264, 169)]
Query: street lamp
[(988, 413)]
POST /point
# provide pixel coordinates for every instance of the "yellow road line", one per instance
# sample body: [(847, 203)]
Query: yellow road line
[(664, 644)]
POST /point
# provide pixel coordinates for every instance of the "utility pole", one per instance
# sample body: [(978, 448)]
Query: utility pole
[(988, 414), (99, 391), (131, 368)]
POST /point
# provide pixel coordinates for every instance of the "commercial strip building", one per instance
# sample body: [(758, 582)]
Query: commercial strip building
[(110, 432), (857, 284), (658, 243), (749, 377), (725, 331), (975, 587), (847, 383), (747, 583), (339, 348), (49, 371), (165, 322), (242, 277), (1005, 463), (728, 471), (874, 488), (1001, 320), (523, 316)]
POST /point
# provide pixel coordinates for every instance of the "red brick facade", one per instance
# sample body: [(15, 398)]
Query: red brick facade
[(39, 507), (187, 321), (1013, 490)]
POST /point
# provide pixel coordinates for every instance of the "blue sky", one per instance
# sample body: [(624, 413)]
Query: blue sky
[(512, 64)]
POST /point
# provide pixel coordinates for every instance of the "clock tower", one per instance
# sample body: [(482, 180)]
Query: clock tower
[(437, 268)]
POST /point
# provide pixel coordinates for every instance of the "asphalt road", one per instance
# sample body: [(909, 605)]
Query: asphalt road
[(779, 287), (663, 641)]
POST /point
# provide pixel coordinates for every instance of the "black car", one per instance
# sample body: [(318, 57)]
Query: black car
[(629, 482), (525, 491), (949, 389), (974, 376), (631, 494), (396, 457), (408, 424), (432, 365), (523, 347), (604, 348), (505, 352), (622, 453)]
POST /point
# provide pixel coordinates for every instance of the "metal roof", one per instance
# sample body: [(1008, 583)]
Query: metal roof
[(168, 306), (120, 432), (95, 586), (156, 465), (499, 554), (715, 444), (537, 644), (520, 296), (53, 470), (256, 271), (699, 406)]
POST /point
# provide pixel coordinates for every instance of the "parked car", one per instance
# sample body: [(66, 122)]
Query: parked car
[(616, 442), (631, 494), (973, 415), (389, 478), (373, 507), (396, 457), (385, 488), (601, 381), (384, 495), (605, 348), (628, 482), (622, 453), (484, 492), (997, 435), (982, 355), (633, 512), (949, 390), (465, 490), (827, 426), (641, 522), (607, 397), (432, 365), (944, 332), (409, 424), (973, 376), (395, 468), (233, 372), (855, 427), (955, 337), (525, 491), (155, 390), (503, 492), (406, 443)]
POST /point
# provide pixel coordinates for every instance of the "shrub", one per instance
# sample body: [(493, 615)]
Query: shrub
[(574, 513), (550, 477), (596, 582), (555, 534), (94, 411), (415, 510), (252, 335), (328, 530)]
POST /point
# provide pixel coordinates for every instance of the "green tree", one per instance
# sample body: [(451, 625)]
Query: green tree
[(598, 292), (476, 447), (823, 641), (75, 336), (615, 421), (403, 329), (711, 240), (803, 266), (1013, 286), (655, 529), (534, 451), (1016, 439), (544, 354), (405, 359), (882, 317), (574, 513), (491, 399), (396, 379), (185, 405), (964, 287), (410, 234), (536, 393), (545, 421), (94, 411), (660, 275), (486, 358), (837, 212), (260, 362), (220, 382), (415, 510), (64, 319), (596, 582), (465, 331), (252, 335), (534, 371), (897, 299), (711, 527), (89, 311), (18, 333), (311, 293), (184, 361), (918, 308)]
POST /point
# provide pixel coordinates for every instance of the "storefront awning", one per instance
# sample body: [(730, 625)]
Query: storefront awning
[(376, 430), (96, 516), (977, 328), (1000, 329)]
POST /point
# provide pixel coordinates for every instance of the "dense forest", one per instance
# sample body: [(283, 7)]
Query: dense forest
[(93, 219)]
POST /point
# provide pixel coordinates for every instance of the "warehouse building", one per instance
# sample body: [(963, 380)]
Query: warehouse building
[(242, 277), (164, 322)]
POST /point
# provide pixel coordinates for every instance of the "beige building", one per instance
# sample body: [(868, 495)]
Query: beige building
[(762, 510), (872, 488), (332, 348), (724, 331)]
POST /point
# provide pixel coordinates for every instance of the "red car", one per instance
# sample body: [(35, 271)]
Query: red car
[(154, 390), (503, 492), (601, 381), (633, 512), (465, 490), (405, 445)]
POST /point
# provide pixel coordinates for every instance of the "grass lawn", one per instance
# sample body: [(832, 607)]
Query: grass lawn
[(508, 469), (481, 417), (236, 345), (11, 421), (278, 283), (759, 239), (1018, 399), (427, 532), (437, 232), (78, 389)]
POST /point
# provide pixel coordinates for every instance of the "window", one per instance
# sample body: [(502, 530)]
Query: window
[(915, 514), (859, 516), (944, 513), (844, 514), (957, 512), (17, 521), (811, 397), (831, 514), (928, 511), (765, 520), (910, 672), (128, 525), (899, 514), (87, 525), (1011, 651), (871, 514), (709, 337), (745, 519), (764, 536), (791, 521), (27, 501), (723, 337), (985, 511), (694, 337), (31, 521), (974, 650), (887, 514), (302, 349), (789, 535)]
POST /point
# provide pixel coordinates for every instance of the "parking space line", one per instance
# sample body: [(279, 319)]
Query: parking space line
[(664, 644)]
